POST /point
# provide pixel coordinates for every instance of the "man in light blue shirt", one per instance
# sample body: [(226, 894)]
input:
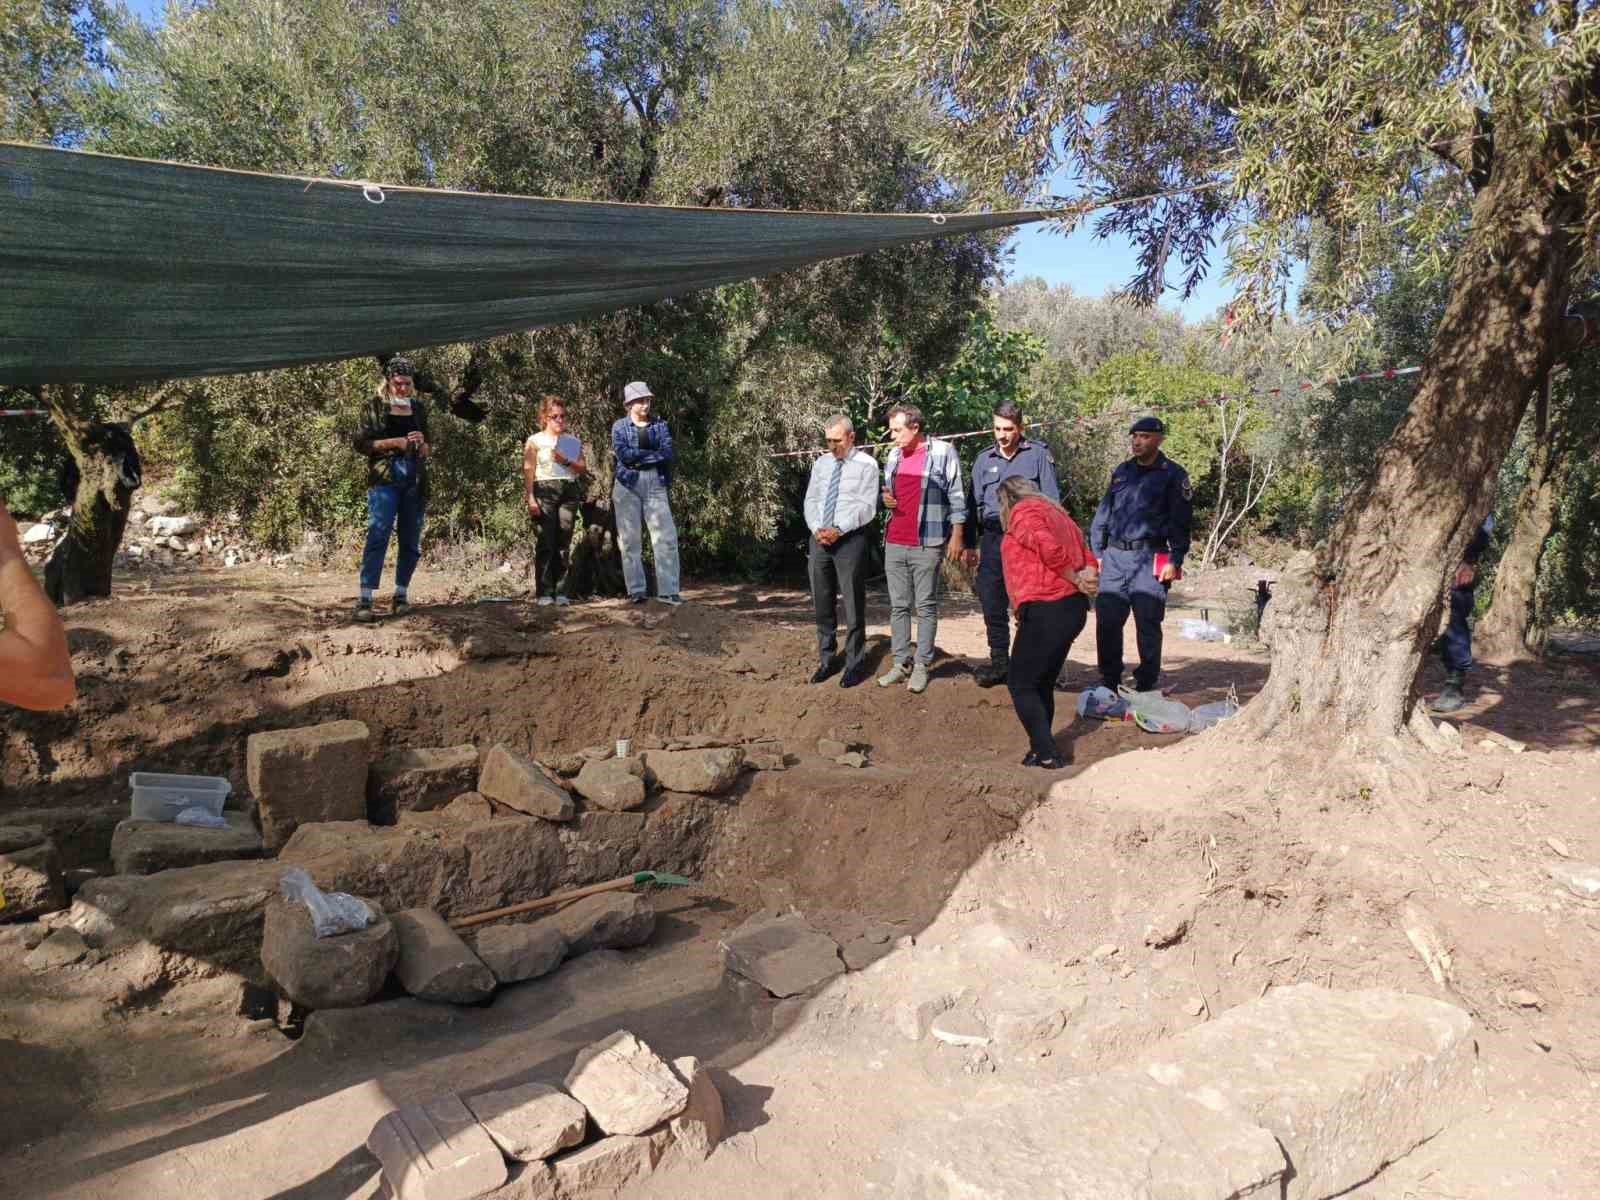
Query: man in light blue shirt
[(841, 502)]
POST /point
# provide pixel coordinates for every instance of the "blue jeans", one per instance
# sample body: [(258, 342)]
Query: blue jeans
[(1456, 647), (638, 509), (386, 504)]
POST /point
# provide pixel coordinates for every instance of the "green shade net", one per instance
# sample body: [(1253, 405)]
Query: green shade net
[(122, 269)]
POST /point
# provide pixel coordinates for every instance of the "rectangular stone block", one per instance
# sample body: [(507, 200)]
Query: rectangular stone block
[(518, 782), (82, 835), (1346, 1081), (419, 780), (145, 847), (531, 1121), (315, 773), (436, 1151), (1116, 1135), (30, 874)]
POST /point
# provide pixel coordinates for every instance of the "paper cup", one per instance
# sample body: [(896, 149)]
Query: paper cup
[(624, 747)]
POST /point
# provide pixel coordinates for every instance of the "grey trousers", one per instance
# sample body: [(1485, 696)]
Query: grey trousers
[(913, 588)]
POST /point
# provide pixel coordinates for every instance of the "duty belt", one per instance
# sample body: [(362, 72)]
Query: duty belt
[(1141, 544)]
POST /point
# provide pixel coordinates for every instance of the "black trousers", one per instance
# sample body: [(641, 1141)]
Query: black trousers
[(840, 570), (558, 512), (991, 587), (1045, 632)]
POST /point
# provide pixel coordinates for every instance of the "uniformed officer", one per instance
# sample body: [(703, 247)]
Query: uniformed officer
[(1146, 511), (1455, 646), (1011, 456)]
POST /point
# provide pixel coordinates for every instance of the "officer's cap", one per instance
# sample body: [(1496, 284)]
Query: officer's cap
[(1148, 425)]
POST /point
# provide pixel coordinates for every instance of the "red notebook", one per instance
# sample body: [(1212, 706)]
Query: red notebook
[(1162, 558)]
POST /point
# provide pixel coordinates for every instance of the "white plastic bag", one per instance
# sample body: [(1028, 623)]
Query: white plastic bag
[(1198, 630), (1208, 715), (332, 913), (1157, 714), (201, 816)]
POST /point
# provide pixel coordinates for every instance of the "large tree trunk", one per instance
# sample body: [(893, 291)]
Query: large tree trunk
[(1348, 626), (1510, 630), (81, 565)]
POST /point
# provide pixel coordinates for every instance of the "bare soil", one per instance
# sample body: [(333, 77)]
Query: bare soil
[(117, 1079)]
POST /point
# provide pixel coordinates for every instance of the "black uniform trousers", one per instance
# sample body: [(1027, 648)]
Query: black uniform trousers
[(1128, 584), (1045, 631), (840, 570), (991, 587)]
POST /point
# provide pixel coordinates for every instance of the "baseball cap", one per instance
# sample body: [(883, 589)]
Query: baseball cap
[(637, 390), (1148, 425)]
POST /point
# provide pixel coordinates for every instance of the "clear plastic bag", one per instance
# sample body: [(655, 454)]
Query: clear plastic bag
[(200, 816), (1208, 715), (1157, 714), (332, 913), (1101, 703), (1198, 630)]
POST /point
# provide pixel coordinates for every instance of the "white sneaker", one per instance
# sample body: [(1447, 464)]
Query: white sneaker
[(545, 602), (562, 600), (674, 600), (919, 679), (892, 676)]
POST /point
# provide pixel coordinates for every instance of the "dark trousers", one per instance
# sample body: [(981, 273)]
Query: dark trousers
[(1128, 584), (991, 587), (841, 570), (558, 512), (1045, 631), (1456, 646)]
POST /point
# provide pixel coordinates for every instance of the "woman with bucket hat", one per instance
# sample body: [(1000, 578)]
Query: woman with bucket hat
[(642, 444)]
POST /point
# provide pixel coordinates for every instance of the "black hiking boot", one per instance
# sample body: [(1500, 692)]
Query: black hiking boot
[(993, 672), (1451, 697)]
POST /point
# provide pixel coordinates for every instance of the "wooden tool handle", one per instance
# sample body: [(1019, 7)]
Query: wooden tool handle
[(543, 902)]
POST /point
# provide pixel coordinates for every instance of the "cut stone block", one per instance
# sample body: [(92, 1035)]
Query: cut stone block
[(601, 845), (609, 921), (82, 835), (343, 971), (418, 780), (708, 772), (615, 784), (518, 952), (212, 912), (145, 847), (606, 1167), (518, 782), (1119, 1135), (450, 867), (532, 1121), (435, 964), (436, 1151), (625, 1086), (781, 953), (1346, 1081), (315, 773), (698, 1128), (30, 874)]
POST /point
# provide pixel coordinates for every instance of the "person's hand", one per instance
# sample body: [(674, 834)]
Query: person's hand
[(970, 557), (1465, 574), (415, 440), (533, 504), (1168, 573), (561, 459), (888, 498), (954, 551), (1088, 581)]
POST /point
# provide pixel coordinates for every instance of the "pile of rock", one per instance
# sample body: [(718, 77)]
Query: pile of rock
[(621, 1113), (158, 535)]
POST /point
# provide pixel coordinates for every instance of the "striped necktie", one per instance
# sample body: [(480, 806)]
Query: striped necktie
[(832, 501)]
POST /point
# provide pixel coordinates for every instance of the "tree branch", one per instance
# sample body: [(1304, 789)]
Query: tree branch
[(1470, 151)]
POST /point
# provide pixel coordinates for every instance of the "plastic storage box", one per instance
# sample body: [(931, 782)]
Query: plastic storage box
[(162, 797)]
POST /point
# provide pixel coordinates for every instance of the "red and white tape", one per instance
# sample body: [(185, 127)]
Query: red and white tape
[(24, 412)]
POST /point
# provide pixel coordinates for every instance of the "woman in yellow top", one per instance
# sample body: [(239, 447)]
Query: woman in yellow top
[(553, 467)]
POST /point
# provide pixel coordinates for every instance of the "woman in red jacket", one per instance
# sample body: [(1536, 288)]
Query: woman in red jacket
[(1050, 576)]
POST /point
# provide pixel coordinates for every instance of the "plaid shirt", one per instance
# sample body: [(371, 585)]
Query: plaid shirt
[(943, 501), (625, 437)]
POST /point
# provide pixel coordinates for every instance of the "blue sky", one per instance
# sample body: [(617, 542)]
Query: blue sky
[(1090, 265)]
